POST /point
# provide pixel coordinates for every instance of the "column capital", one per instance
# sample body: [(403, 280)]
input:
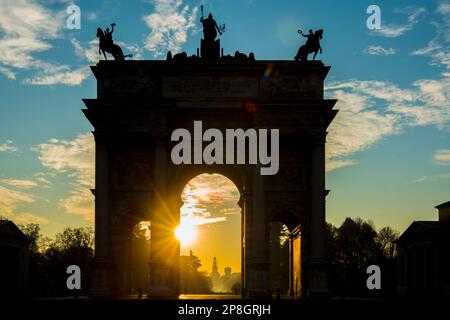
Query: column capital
[(318, 138), (99, 136)]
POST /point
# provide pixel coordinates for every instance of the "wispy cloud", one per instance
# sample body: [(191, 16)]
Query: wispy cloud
[(442, 156), (358, 124), (41, 178), (433, 178), (19, 183), (8, 147), (396, 30), (10, 207), (169, 24), (62, 76), (373, 110), (74, 158), (209, 199), (27, 28), (437, 48), (443, 8), (429, 49), (91, 16), (80, 202), (379, 50), (8, 73), (334, 164)]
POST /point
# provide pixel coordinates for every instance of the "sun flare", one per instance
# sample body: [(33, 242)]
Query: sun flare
[(186, 233)]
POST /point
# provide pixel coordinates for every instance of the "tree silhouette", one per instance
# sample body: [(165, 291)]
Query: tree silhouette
[(352, 248), (191, 279), (50, 259), (32, 232), (194, 261), (386, 239)]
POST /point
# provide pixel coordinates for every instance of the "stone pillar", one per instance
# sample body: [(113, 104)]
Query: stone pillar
[(318, 278), (241, 204), (291, 267), (258, 262), (103, 266), (165, 217), (246, 239), (295, 262), (119, 238)]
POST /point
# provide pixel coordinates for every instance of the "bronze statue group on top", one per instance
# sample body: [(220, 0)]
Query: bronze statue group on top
[(209, 45), (312, 45), (106, 44)]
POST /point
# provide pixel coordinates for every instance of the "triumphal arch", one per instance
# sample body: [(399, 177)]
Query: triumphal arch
[(139, 104)]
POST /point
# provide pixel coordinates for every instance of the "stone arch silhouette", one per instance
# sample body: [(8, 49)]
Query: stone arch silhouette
[(140, 103)]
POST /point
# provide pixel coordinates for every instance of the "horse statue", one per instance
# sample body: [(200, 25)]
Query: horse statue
[(312, 45), (106, 44)]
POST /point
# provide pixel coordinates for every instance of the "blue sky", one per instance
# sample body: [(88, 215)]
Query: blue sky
[(388, 152)]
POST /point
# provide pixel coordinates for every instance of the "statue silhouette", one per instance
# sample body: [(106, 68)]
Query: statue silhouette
[(312, 45), (210, 28), (210, 47), (106, 44)]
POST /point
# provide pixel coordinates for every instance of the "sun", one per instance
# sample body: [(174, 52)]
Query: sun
[(186, 233)]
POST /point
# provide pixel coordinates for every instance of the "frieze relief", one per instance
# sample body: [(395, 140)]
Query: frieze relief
[(293, 85), (142, 85), (210, 87)]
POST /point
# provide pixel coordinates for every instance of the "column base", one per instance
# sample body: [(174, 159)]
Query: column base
[(258, 283), (103, 272), (163, 281), (162, 294), (259, 294), (319, 285)]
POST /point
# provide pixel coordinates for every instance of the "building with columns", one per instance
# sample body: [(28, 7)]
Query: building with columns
[(14, 256), (424, 257)]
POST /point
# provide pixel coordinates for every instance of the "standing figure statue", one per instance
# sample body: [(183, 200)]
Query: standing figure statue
[(209, 46), (312, 45), (106, 44)]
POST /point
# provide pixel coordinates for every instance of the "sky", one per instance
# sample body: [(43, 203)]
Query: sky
[(388, 149)]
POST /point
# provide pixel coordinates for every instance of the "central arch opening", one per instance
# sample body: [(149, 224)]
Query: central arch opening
[(210, 236)]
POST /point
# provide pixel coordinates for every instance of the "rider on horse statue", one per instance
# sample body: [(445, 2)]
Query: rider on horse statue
[(312, 45), (106, 44)]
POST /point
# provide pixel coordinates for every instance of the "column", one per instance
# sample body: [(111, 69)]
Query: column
[(241, 204), (246, 238), (258, 263), (291, 266), (165, 217), (318, 277), (103, 265)]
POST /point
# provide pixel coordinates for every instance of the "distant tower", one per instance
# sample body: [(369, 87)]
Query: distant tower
[(214, 268), (215, 277)]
